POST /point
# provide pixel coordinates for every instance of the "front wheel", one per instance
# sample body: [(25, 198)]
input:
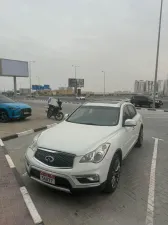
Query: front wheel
[(4, 117), (49, 113), (140, 138), (113, 175), (59, 116)]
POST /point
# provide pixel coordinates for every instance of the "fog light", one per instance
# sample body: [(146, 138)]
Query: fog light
[(86, 179)]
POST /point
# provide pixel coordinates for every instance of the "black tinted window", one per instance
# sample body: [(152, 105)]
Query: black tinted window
[(142, 98), (132, 111)]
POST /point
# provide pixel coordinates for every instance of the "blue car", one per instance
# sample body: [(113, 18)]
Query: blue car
[(10, 109)]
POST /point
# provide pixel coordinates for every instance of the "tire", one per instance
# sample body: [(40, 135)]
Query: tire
[(113, 174), (4, 118), (140, 138), (59, 116), (49, 113)]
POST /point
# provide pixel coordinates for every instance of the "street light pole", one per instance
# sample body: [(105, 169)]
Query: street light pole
[(104, 82), (157, 54), (75, 66)]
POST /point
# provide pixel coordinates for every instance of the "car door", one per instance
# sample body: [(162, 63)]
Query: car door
[(135, 116), (127, 132)]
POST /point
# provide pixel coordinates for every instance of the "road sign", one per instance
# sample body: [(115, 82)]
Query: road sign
[(72, 82)]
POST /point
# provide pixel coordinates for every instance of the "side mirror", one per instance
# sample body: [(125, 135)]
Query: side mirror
[(66, 116), (130, 123)]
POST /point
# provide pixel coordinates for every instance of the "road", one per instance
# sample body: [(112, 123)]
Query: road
[(72, 99), (128, 205)]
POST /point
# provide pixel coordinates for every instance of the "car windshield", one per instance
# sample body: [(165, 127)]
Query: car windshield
[(95, 115), (4, 99)]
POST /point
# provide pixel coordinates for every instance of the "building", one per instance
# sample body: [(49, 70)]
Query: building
[(160, 87), (139, 86), (149, 86), (165, 92)]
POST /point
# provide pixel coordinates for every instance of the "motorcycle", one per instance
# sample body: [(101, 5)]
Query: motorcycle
[(55, 110)]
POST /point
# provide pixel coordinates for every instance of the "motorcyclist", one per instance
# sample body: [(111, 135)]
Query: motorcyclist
[(59, 102)]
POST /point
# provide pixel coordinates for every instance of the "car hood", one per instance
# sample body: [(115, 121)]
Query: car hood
[(74, 138), (16, 105)]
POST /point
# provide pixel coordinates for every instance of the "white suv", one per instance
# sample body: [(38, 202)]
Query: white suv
[(86, 149)]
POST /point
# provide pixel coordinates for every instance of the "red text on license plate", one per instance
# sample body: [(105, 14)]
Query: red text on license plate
[(49, 178)]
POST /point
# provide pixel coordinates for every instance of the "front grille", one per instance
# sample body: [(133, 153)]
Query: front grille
[(55, 159), (27, 110), (59, 181)]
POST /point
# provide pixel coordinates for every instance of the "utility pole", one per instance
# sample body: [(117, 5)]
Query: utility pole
[(104, 82), (157, 54)]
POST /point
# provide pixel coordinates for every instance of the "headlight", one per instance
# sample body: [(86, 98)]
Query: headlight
[(33, 146), (97, 155)]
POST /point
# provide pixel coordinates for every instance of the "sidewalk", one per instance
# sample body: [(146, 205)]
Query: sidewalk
[(13, 210)]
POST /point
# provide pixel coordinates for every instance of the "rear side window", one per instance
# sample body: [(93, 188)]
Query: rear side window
[(141, 98), (132, 111)]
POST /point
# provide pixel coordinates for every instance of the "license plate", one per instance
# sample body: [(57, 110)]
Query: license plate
[(25, 113), (49, 178)]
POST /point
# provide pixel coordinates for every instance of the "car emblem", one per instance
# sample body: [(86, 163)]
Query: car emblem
[(49, 158)]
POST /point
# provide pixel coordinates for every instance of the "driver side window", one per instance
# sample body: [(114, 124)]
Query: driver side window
[(126, 114)]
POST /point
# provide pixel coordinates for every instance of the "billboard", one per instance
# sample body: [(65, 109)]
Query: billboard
[(13, 68), (72, 82), (40, 87)]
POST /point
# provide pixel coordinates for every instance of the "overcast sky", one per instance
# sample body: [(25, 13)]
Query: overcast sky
[(116, 36)]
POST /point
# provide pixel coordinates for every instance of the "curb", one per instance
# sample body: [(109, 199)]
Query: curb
[(31, 131), (24, 192)]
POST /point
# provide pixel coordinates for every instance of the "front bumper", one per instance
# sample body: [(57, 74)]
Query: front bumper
[(81, 176), (20, 113)]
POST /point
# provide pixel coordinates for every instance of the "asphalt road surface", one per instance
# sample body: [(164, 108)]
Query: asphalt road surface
[(72, 99), (136, 192)]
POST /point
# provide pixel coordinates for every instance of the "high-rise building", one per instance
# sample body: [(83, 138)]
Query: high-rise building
[(165, 92), (139, 86), (160, 88), (149, 86)]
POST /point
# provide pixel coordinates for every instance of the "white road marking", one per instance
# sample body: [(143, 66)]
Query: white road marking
[(10, 162), (30, 205), (1, 143), (25, 133), (151, 192)]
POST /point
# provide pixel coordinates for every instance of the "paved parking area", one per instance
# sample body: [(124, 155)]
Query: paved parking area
[(38, 119), (128, 205)]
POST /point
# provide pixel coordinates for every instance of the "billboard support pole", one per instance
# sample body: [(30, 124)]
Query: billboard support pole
[(30, 77), (15, 86)]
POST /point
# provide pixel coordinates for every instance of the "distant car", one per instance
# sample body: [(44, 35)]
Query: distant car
[(10, 109), (87, 149), (31, 96), (143, 100), (80, 98)]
